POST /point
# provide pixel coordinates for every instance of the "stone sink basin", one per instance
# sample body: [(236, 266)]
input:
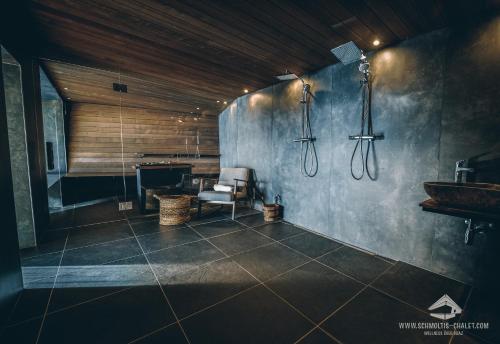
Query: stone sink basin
[(480, 196)]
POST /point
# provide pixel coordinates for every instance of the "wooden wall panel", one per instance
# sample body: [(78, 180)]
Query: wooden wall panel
[(94, 146)]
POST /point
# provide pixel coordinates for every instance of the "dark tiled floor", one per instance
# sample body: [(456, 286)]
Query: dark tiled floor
[(360, 265), (373, 317), (317, 336), (208, 230), (217, 280)]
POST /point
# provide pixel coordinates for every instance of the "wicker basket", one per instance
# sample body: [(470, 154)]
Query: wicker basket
[(271, 212), (174, 210)]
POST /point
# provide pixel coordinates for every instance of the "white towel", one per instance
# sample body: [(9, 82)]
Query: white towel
[(225, 188)]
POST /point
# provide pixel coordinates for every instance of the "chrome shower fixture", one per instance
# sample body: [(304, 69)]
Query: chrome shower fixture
[(347, 53), (287, 76), (364, 67), (308, 156), (292, 76)]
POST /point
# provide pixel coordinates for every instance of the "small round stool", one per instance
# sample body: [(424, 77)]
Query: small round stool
[(174, 209)]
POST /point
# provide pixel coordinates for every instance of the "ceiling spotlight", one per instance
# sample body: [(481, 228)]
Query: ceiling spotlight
[(196, 118), (69, 98), (225, 103), (245, 90), (376, 42), (180, 120), (197, 108), (66, 88), (218, 101)]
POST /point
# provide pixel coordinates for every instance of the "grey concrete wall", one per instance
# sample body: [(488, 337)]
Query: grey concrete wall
[(53, 131), (11, 280), (434, 98), (19, 154)]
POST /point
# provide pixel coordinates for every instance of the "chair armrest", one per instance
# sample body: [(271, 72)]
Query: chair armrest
[(203, 179), (236, 180)]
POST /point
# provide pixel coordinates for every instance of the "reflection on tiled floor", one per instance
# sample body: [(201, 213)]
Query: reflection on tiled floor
[(124, 278)]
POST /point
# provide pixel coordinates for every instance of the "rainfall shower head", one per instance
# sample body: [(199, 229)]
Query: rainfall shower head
[(289, 76), (347, 53)]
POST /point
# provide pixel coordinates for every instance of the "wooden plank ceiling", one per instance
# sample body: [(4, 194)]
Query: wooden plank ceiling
[(189, 54)]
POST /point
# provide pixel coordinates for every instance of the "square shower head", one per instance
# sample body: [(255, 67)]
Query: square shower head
[(347, 53), (289, 76)]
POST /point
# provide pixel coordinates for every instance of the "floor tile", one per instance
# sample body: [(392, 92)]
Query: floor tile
[(131, 271), (52, 241), (31, 304), (152, 226), (211, 229), (145, 218), (373, 317), (170, 262), (62, 219), (255, 316), (420, 287), (317, 337), (315, 289), (40, 267), (64, 297), (240, 241), (101, 253), (468, 339), (240, 211), (360, 265), (311, 245), (95, 234), (43, 283), (171, 334), (166, 239), (204, 286), (216, 216), (483, 306), (279, 230), (97, 213), (269, 261), (252, 220), (24, 333), (118, 318)]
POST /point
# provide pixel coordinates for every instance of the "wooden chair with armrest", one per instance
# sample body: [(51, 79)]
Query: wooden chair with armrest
[(232, 187)]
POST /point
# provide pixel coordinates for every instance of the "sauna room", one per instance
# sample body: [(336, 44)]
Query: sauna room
[(279, 171)]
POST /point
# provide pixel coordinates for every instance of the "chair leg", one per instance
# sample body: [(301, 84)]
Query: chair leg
[(199, 208), (234, 208)]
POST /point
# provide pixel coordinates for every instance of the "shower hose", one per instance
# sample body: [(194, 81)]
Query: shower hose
[(308, 156), (366, 121)]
